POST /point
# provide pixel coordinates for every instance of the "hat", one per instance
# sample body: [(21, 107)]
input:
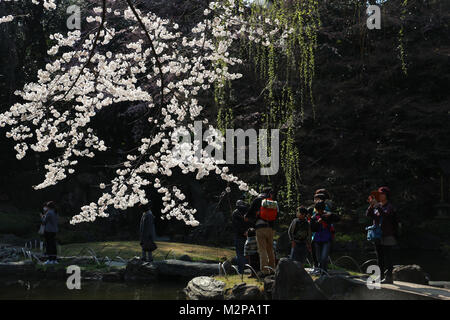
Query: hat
[(321, 196), (384, 190), (323, 192)]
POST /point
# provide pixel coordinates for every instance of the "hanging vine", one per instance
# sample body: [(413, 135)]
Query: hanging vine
[(401, 46), (293, 66)]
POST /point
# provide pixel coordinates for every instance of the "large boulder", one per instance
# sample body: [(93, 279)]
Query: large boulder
[(410, 273), (292, 282), (204, 288), (185, 269), (243, 291), (138, 270)]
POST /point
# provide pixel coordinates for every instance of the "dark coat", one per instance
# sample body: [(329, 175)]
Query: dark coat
[(50, 221), (147, 227), (239, 225)]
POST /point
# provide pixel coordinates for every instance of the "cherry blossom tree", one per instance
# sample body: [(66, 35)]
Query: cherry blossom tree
[(159, 66)]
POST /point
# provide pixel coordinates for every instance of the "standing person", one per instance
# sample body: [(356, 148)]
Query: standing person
[(240, 227), (300, 235), (263, 212), (147, 232), (319, 195), (383, 213), (251, 250), (322, 228), (49, 220)]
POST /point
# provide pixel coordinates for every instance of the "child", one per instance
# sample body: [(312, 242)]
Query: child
[(323, 233), (300, 236), (251, 250)]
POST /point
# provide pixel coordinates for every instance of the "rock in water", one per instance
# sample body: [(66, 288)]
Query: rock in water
[(204, 288), (410, 273), (185, 269), (243, 291), (138, 270), (292, 282)]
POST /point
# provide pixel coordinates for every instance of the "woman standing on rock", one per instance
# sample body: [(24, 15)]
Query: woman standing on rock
[(50, 222), (383, 213), (240, 227)]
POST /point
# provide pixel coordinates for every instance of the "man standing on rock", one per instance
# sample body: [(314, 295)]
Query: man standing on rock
[(263, 212), (147, 232), (240, 227)]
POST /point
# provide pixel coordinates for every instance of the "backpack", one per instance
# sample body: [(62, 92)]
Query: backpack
[(268, 210)]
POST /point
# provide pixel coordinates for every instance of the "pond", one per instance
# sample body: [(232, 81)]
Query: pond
[(432, 262), (90, 290)]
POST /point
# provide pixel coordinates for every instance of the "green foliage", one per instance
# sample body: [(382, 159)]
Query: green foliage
[(129, 249), (350, 237), (294, 67), (232, 280)]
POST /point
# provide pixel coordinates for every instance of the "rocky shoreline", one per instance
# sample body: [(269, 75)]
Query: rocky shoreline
[(290, 280)]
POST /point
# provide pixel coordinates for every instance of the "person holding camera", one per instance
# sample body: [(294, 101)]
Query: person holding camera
[(240, 227), (383, 214)]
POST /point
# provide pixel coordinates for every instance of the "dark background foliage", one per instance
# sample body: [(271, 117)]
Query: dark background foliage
[(375, 125)]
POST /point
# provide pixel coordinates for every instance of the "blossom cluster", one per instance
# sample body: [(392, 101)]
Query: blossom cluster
[(159, 66)]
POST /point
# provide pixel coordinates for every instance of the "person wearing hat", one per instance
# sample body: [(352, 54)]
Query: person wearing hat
[(382, 212), (240, 227), (147, 232), (322, 235), (320, 195)]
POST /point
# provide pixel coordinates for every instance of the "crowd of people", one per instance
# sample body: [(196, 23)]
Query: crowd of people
[(311, 232)]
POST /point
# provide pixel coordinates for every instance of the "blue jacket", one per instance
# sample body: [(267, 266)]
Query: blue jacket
[(50, 221), (321, 233)]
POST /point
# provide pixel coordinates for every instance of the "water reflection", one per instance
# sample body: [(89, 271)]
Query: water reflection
[(56, 289)]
